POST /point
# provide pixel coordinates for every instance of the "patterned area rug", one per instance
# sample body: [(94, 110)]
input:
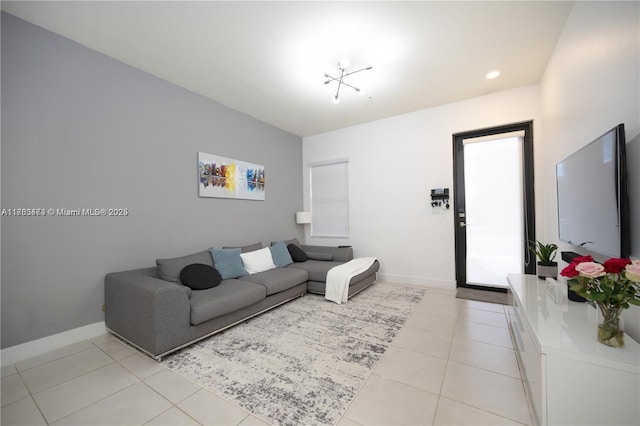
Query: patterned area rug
[(303, 362)]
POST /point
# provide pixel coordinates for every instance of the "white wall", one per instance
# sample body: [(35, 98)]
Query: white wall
[(393, 164), (591, 84)]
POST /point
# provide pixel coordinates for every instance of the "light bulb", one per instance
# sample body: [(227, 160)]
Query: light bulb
[(344, 63), (492, 74), (335, 99)]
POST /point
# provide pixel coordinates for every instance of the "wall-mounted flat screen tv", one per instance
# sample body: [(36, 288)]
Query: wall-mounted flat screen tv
[(593, 204)]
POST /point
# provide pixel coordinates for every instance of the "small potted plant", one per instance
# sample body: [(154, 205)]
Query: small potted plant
[(546, 253)]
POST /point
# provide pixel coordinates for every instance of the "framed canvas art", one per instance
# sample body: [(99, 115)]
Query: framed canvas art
[(223, 177)]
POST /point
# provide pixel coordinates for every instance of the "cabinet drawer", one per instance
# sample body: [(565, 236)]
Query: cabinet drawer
[(529, 359)]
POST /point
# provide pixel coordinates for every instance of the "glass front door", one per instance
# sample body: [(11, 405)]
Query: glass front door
[(493, 204), (494, 210)]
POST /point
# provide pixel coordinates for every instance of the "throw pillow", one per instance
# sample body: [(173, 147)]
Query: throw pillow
[(297, 254), (280, 254), (169, 269), (228, 262), (258, 261), (199, 277)]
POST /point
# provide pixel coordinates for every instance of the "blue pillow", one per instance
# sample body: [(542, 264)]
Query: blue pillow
[(280, 254), (229, 263)]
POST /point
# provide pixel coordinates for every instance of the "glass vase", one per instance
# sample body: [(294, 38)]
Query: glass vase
[(609, 330)]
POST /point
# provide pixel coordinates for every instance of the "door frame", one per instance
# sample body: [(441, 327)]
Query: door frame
[(459, 197)]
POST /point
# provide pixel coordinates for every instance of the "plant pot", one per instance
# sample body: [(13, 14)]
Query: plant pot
[(549, 270)]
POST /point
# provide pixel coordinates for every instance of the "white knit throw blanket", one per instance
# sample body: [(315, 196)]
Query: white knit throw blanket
[(338, 277)]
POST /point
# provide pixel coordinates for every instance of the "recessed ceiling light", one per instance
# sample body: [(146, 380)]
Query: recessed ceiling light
[(492, 74)]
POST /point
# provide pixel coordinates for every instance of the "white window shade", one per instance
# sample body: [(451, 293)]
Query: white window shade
[(330, 199)]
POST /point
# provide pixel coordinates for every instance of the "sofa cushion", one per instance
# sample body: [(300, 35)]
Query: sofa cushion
[(169, 269), (339, 253), (317, 269), (318, 255), (287, 242), (297, 254), (228, 262), (229, 296), (257, 260), (246, 249), (280, 254), (279, 279), (199, 277)]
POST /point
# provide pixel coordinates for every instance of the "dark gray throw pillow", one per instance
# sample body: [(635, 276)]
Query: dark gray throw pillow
[(297, 254), (198, 276)]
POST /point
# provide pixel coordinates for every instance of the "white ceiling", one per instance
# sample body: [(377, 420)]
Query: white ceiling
[(267, 59)]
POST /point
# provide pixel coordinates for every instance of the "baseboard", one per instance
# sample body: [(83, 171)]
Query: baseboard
[(421, 281), (37, 347)]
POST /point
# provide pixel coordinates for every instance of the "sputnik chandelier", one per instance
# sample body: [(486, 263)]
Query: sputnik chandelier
[(343, 66)]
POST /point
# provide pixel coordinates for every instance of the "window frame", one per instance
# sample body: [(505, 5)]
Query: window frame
[(320, 220)]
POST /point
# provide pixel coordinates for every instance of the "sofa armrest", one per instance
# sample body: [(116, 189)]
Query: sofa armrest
[(145, 309), (340, 254)]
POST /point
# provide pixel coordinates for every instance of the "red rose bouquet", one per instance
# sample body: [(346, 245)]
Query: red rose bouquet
[(613, 286)]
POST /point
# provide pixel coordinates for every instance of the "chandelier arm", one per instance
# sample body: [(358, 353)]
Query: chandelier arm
[(361, 69), (331, 78), (339, 83), (353, 87)]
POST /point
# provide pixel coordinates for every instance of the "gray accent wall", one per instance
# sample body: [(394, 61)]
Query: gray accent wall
[(82, 130)]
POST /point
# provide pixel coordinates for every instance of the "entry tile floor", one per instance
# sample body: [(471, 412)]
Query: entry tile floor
[(452, 363)]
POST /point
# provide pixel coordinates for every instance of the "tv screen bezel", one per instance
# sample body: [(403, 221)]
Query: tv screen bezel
[(624, 234)]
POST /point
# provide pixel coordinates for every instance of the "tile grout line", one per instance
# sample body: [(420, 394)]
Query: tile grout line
[(114, 361), (486, 410), (449, 360), (444, 374), (32, 398), (173, 405), (49, 361), (31, 394), (93, 403)]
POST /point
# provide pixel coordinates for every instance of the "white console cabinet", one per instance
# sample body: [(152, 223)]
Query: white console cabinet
[(570, 378)]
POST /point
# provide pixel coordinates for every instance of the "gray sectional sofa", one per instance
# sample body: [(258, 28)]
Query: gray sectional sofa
[(151, 308)]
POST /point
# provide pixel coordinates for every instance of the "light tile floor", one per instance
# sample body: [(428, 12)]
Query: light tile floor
[(452, 363)]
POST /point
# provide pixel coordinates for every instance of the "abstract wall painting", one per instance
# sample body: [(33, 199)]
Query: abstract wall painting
[(228, 178)]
